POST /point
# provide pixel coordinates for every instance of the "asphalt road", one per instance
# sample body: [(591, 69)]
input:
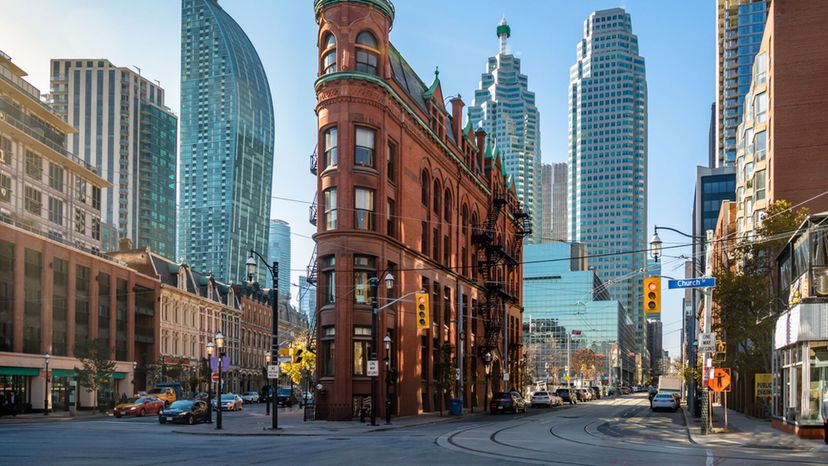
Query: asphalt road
[(619, 431)]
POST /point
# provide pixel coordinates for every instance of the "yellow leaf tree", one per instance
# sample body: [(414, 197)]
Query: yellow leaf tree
[(301, 359)]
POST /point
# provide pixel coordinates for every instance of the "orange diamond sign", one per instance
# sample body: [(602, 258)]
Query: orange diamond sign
[(720, 382)]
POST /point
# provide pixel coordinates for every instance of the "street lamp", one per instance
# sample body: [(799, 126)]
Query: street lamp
[(487, 365), (655, 246), (134, 369), (211, 349), (219, 339), (373, 280), (267, 396), (387, 341), (274, 330), (46, 386)]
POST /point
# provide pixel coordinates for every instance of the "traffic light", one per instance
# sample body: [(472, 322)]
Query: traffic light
[(423, 315), (297, 356), (652, 295)]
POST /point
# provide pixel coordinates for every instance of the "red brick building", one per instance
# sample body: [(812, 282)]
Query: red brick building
[(403, 187)]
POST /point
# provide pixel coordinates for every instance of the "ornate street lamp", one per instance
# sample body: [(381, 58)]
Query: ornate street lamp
[(388, 373), (274, 330), (219, 339), (373, 280), (211, 349), (46, 386)]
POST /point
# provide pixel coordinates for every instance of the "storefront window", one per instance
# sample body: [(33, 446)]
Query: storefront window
[(33, 288), (81, 307), (103, 307)]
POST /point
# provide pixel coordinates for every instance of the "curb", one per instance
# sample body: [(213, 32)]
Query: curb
[(687, 427)]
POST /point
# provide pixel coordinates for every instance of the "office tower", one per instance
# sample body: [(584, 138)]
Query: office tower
[(559, 209), (608, 156), (278, 249), (655, 330), (307, 300), (546, 203), (226, 144), (739, 26), (127, 132), (505, 108)]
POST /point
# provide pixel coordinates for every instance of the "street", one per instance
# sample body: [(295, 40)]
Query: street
[(609, 431)]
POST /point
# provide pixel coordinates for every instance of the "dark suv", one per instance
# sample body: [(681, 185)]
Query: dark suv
[(567, 395), (507, 402)]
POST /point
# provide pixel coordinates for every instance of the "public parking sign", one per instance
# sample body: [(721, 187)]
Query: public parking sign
[(701, 282)]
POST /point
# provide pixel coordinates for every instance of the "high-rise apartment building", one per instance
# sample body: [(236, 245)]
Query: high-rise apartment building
[(227, 127), (608, 156), (739, 26), (278, 249), (127, 132), (781, 140), (505, 108), (45, 188)]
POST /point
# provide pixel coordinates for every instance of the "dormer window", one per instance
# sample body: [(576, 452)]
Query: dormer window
[(329, 54), (367, 56)]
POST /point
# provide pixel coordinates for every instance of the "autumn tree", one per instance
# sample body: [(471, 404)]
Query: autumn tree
[(97, 366), (583, 363)]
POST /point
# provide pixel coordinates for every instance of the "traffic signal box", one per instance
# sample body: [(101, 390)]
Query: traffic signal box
[(423, 313), (652, 295)]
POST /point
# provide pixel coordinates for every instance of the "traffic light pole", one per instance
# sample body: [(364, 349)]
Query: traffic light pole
[(708, 306), (373, 280)]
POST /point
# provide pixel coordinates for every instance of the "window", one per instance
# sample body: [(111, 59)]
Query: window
[(759, 184), (436, 244), (364, 150), (55, 210), (447, 207), (363, 209), (425, 183), (761, 145), (327, 347), (5, 151), (329, 147), (330, 208), (363, 266), (390, 218), (5, 188), (96, 198), (424, 237), (96, 228), (33, 201), (446, 251), (328, 279), (762, 107), (367, 57), (80, 221), (362, 348), (391, 162), (34, 165), (762, 68), (80, 189), (329, 54), (437, 195), (56, 177)]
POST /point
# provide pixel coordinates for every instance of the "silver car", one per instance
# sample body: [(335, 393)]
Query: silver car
[(250, 397), (545, 399)]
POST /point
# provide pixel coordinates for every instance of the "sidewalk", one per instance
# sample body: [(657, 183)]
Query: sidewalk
[(58, 416), (291, 423), (746, 432)]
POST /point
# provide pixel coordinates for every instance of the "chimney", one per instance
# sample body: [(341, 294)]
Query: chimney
[(457, 118), (124, 245)]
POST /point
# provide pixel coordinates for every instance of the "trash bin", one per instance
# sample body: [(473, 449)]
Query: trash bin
[(456, 406)]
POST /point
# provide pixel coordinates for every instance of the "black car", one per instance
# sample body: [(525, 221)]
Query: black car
[(507, 402), (285, 397), (567, 395), (185, 412)]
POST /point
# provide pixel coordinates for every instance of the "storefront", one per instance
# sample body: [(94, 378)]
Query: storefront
[(800, 369), (18, 380)]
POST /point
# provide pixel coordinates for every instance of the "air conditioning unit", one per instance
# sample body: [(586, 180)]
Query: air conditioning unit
[(3, 192)]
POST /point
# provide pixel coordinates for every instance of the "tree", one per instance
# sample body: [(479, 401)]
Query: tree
[(97, 368), (444, 373), (302, 359), (583, 363)]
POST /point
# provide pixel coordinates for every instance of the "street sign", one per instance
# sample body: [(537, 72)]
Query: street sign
[(273, 371), (707, 342), (720, 382), (505, 376), (215, 376), (281, 359), (373, 368), (764, 386), (567, 378), (701, 282)]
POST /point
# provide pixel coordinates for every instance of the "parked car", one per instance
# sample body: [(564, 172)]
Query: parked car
[(545, 399), (138, 406), (185, 412), (230, 402), (625, 390), (202, 396), (596, 392), (567, 395), (664, 401), (583, 394), (250, 397), (507, 402), (285, 397), (166, 394)]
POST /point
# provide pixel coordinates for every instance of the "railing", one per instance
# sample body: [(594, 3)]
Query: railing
[(314, 160), (312, 268), (313, 211), (26, 88)]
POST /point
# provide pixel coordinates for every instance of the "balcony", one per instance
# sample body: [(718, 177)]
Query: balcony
[(314, 161)]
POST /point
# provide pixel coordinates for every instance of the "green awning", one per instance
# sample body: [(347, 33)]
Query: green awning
[(64, 373), (29, 371), (119, 375)]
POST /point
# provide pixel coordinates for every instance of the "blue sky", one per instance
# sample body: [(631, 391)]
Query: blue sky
[(676, 37)]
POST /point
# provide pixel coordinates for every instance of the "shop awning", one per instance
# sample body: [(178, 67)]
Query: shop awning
[(64, 373), (28, 371), (119, 375)]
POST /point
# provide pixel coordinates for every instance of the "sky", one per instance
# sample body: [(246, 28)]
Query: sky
[(676, 39)]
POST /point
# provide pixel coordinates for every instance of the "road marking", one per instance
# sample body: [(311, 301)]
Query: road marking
[(709, 458)]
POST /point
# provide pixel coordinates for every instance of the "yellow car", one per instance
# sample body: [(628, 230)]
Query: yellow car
[(165, 394)]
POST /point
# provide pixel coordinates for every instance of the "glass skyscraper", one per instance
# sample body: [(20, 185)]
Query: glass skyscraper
[(740, 25), (278, 249), (307, 300), (505, 108), (127, 132), (227, 126), (608, 157)]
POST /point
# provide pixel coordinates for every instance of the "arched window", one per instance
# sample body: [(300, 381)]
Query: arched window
[(437, 194), (447, 206), (464, 219), (329, 54), (425, 181), (367, 53)]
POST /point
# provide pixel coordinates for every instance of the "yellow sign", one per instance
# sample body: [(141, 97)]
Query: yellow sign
[(764, 386), (567, 378)]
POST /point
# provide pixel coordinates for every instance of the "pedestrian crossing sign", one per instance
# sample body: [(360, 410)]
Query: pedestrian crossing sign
[(720, 382)]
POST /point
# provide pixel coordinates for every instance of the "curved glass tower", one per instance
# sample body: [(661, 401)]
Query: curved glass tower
[(227, 126)]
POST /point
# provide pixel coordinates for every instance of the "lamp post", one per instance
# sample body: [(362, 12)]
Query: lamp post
[(211, 349), (487, 365), (46, 386), (267, 396), (274, 346), (373, 280), (134, 369), (219, 339), (388, 369)]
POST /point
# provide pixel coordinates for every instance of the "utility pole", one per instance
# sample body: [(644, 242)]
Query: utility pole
[(708, 295)]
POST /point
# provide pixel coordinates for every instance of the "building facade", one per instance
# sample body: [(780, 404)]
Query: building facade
[(553, 201), (307, 300), (54, 299), (278, 250), (405, 189), (128, 134), (44, 188), (608, 156), (782, 138), (739, 27), (227, 127), (560, 299), (505, 108), (655, 329)]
